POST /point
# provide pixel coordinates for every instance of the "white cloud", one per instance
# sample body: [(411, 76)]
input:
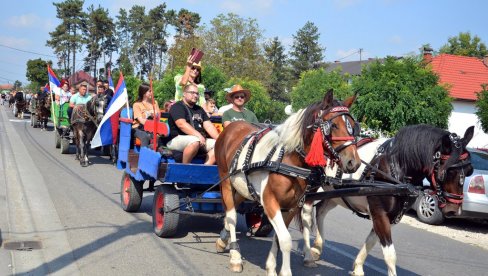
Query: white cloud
[(396, 39), (33, 21), (14, 42), (24, 20)]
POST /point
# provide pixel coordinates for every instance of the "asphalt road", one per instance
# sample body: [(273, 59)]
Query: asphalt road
[(73, 213)]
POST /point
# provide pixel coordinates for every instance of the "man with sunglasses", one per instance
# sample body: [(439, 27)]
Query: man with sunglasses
[(189, 127), (238, 96)]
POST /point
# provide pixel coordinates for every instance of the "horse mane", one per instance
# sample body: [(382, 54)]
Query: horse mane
[(295, 131), (414, 146)]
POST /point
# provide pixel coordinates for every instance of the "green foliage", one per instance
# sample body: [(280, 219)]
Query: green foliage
[(464, 45), (37, 72), (313, 85), (233, 44), (482, 105), (164, 89), (306, 50), (399, 93), (17, 84), (132, 84), (66, 39), (213, 78), (278, 84), (98, 31)]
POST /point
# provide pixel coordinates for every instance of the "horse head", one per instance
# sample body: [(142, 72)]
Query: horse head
[(452, 165), (329, 125), (96, 107)]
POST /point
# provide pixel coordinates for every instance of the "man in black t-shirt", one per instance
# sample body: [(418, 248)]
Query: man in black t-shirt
[(189, 125)]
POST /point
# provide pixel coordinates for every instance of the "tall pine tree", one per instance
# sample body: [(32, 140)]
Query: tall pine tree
[(278, 83), (306, 50)]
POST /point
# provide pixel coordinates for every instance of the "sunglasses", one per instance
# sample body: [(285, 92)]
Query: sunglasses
[(195, 68), (240, 97)]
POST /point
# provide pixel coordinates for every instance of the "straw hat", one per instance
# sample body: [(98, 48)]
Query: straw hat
[(238, 89)]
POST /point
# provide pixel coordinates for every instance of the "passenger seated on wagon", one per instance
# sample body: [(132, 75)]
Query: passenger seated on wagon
[(238, 97), (189, 126), (64, 95), (82, 97), (143, 110)]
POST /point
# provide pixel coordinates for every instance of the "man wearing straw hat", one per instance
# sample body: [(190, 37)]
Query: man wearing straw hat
[(238, 96)]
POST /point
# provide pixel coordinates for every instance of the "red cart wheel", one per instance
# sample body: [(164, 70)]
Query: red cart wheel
[(165, 223), (130, 193)]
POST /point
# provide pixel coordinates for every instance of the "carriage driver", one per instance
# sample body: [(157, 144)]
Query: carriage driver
[(189, 125), (82, 97)]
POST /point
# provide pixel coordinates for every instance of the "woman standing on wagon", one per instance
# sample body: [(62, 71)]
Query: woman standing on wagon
[(192, 75)]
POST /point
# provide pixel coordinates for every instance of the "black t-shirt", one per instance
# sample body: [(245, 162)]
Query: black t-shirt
[(181, 111)]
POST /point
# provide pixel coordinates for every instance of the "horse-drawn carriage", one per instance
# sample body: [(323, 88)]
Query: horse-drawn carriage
[(20, 104), (39, 108), (62, 131), (186, 189), (283, 168)]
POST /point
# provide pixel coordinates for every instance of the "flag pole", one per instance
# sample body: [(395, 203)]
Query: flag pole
[(52, 98), (155, 116)]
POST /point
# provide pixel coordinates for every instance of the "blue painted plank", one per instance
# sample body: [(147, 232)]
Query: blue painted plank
[(192, 174)]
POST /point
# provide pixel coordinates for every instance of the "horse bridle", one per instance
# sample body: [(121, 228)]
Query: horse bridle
[(326, 125), (438, 175)]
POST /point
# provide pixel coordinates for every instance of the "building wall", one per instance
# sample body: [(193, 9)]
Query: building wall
[(463, 116)]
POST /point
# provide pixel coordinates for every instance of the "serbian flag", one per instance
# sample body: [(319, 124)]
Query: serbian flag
[(53, 81), (106, 133)]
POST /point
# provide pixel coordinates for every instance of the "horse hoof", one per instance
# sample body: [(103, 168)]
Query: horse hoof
[(315, 253), (84, 164), (237, 268), (309, 263), (356, 273), (220, 246)]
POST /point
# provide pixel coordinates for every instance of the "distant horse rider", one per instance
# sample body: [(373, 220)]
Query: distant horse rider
[(82, 97)]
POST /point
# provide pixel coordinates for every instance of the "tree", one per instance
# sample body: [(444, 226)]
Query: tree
[(98, 29), (464, 45), (214, 78), (37, 72), (67, 37), (279, 81), (234, 45), (482, 105), (17, 84), (399, 93), (314, 83), (306, 50)]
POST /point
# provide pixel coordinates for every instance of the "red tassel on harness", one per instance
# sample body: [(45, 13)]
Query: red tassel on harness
[(315, 156)]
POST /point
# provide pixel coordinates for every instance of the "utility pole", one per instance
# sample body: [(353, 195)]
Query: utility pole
[(360, 54)]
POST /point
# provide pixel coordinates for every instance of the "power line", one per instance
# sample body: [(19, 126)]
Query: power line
[(20, 50), (7, 79)]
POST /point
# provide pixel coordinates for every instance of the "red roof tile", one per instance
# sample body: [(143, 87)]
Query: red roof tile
[(6, 86), (464, 74)]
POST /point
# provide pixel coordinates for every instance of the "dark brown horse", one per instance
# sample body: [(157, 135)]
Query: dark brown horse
[(415, 153), (325, 126), (43, 109), (84, 121)]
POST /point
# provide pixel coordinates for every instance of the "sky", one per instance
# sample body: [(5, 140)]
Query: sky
[(379, 27)]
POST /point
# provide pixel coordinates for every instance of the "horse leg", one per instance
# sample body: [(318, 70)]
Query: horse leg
[(230, 202), (363, 253), (284, 239), (321, 209), (306, 214)]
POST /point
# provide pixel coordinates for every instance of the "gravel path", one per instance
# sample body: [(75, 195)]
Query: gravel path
[(467, 231)]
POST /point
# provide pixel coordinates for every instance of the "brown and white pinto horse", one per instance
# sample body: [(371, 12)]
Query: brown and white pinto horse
[(278, 192), (415, 153)]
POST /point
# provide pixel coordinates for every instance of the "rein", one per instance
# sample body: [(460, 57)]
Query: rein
[(442, 195)]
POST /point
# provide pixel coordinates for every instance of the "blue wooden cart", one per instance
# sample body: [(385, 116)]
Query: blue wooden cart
[(185, 189)]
